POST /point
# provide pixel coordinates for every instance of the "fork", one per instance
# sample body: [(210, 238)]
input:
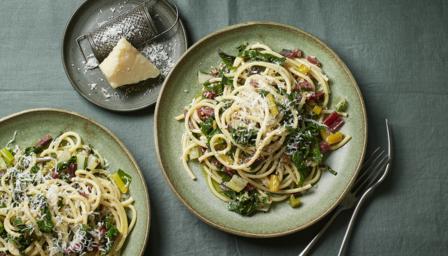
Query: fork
[(367, 193), (364, 184)]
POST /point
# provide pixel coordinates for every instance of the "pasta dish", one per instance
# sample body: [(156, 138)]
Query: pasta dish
[(57, 197), (262, 127)]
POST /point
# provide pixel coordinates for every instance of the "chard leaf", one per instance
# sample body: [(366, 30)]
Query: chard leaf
[(226, 59)]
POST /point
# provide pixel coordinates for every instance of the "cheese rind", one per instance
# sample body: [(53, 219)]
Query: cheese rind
[(126, 65)]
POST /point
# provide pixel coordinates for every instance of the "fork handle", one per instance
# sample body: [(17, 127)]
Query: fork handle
[(349, 229), (316, 238)]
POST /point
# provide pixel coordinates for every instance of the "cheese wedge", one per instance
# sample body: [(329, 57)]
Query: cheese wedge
[(126, 65)]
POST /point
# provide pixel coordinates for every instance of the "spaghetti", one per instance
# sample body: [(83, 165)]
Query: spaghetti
[(262, 127), (58, 198)]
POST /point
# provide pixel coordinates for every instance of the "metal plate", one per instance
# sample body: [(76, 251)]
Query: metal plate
[(91, 84)]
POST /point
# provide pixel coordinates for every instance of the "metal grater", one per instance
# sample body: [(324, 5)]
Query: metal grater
[(136, 26)]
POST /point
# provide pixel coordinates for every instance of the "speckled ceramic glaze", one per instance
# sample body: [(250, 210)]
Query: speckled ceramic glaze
[(180, 88), (33, 124)]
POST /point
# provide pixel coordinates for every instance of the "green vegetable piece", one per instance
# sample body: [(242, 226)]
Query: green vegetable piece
[(22, 242), (263, 92), (34, 169), (3, 165), (255, 55), (241, 48), (244, 203), (217, 88), (7, 156), (317, 155), (3, 233), (342, 105), (25, 239), (207, 126), (226, 59), (299, 161), (224, 176), (45, 224), (294, 202), (330, 170), (72, 160), (210, 135), (226, 81), (244, 136), (109, 221), (126, 178), (85, 228), (33, 149), (112, 233)]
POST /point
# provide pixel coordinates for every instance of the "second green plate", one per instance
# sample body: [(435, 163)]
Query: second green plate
[(180, 88)]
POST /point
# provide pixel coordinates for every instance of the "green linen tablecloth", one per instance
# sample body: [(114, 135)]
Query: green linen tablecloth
[(397, 51)]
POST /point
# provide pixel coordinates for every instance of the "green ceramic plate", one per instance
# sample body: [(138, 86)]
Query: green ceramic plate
[(282, 219), (33, 124)]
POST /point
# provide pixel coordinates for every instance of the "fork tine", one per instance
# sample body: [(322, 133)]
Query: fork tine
[(377, 153), (370, 158), (374, 172), (380, 171)]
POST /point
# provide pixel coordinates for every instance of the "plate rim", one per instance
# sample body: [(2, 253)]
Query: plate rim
[(363, 122), (75, 85), (115, 138)]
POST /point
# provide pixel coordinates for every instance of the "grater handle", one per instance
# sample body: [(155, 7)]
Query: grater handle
[(78, 42), (172, 26)]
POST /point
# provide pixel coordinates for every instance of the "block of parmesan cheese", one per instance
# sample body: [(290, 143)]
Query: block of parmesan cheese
[(126, 65)]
